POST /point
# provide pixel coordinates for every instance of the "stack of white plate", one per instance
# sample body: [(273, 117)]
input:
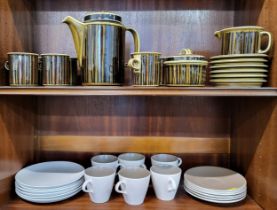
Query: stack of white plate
[(49, 182), (215, 184), (249, 70)]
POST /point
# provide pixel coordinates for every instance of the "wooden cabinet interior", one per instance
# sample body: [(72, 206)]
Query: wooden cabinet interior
[(227, 131)]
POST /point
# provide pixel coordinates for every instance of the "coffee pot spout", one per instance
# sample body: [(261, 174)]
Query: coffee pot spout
[(77, 29)]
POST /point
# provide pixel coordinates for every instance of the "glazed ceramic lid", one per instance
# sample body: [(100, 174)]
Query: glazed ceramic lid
[(102, 16), (186, 57)]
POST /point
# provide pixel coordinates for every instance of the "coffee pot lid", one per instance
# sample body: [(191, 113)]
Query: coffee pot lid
[(100, 16)]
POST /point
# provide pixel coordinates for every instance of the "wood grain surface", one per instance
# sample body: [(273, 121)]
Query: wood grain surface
[(181, 202), (17, 131), (143, 144), (253, 147)]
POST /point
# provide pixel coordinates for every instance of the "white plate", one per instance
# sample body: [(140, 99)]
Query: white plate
[(215, 178), (218, 197), (49, 196), (41, 200), (50, 190), (232, 192), (233, 56), (215, 200), (49, 174), (48, 193)]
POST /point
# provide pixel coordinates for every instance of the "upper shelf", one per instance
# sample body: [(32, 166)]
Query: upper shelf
[(138, 91)]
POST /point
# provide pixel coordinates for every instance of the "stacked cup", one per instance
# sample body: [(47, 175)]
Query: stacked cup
[(243, 62), (165, 175)]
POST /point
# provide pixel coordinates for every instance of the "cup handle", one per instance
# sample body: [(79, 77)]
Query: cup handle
[(270, 43), (84, 186), (135, 64), (6, 65), (118, 185), (171, 185), (143, 166), (179, 161)]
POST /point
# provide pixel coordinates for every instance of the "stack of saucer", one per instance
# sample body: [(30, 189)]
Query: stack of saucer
[(215, 184), (249, 70), (49, 182)]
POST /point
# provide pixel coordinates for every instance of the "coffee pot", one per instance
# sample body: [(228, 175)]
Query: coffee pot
[(100, 45)]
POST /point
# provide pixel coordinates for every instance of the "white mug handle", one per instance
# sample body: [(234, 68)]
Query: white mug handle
[(84, 186), (143, 166), (179, 161), (171, 185), (118, 184)]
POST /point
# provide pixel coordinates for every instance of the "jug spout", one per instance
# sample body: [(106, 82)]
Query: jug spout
[(77, 29), (217, 34)]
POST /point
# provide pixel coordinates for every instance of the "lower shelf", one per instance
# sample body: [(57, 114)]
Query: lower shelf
[(181, 202)]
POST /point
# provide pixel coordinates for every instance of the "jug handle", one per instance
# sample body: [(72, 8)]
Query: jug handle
[(136, 39)]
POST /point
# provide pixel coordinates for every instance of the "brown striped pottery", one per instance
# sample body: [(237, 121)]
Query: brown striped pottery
[(56, 69), (23, 68), (243, 40), (186, 70), (146, 68), (100, 45)]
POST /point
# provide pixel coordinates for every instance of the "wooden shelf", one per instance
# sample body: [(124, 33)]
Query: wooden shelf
[(139, 91), (181, 202)]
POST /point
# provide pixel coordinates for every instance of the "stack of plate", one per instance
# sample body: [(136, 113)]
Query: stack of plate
[(248, 70), (215, 184), (49, 182)]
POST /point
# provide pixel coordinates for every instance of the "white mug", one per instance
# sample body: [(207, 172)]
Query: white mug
[(99, 183), (109, 161), (165, 181), (131, 160), (133, 184), (165, 160)]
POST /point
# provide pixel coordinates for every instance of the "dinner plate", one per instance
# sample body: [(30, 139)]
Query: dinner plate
[(215, 200), (241, 60), (215, 178), (45, 200), (239, 65), (239, 56), (217, 197), (237, 75), (49, 174), (239, 84), (243, 70), (238, 80)]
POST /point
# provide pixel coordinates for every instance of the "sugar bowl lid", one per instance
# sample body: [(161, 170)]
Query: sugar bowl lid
[(186, 56), (102, 16)]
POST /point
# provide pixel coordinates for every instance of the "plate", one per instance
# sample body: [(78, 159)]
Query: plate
[(49, 174), (215, 178), (244, 70), (236, 65), (239, 84), (242, 60), (243, 80), (215, 200), (245, 75), (239, 56)]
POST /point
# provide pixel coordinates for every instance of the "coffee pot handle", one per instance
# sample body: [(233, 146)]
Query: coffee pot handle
[(6, 65), (269, 44), (136, 39)]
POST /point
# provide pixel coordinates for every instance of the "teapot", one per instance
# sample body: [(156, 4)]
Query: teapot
[(100, 44)]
